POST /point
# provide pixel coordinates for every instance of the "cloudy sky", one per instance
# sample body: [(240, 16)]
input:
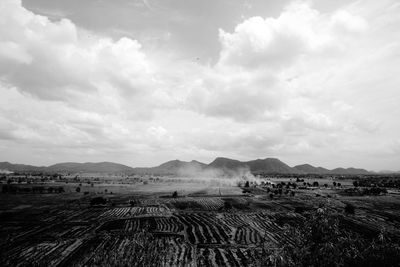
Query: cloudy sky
[(140, 82)]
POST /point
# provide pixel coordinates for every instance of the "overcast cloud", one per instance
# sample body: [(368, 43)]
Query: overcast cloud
[(157, 80)]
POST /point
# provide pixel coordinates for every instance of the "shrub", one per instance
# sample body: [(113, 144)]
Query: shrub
[(349, 208), (98, 201), (227, 205)]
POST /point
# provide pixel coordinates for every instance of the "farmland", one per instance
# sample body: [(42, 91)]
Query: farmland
[(144, 225)]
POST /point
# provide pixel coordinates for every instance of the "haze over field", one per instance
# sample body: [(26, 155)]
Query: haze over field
[(143, 82)]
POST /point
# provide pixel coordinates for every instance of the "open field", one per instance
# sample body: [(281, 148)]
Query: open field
[(204, 225)]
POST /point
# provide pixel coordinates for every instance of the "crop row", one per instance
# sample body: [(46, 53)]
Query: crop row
[(134, 211), (227, 256), (139, 250), (204, 228), (47, 253), (255, 228), (168, 224), (210, 203)]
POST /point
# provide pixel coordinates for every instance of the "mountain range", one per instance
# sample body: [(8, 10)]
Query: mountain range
[(178, 167)]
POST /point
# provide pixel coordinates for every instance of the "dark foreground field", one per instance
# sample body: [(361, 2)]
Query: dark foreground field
[(210, 226)]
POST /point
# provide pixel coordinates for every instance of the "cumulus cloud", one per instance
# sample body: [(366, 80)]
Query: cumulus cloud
[(277, 42), (53, 60), (249, 81)]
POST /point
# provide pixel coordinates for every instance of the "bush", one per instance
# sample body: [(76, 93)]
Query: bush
[(227, 205), (349, 208), (132, 203), (98, 201)]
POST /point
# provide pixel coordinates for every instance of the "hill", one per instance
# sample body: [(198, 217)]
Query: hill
[(269, 165), (309, 169), (20, 167), (89, 167), (225, 163), (173, 167), (349, 171), (217, 167)]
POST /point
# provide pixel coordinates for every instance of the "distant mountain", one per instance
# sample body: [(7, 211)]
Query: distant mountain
[(349, 171), (220, 166), (269, 165), (173, 167), (388, 172), (20, 167), (225, 163), (89, 167), (71, 167), (309, 169)]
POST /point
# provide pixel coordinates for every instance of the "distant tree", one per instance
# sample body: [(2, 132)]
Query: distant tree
[(334, 184), (349, 208), (292, 193), (78, 189), (339, 184), (175, 194), (316, 184), (105, 190), (227, 205), (355, 183), (247, 184), (271, 196), (326, 185), (98, 201)]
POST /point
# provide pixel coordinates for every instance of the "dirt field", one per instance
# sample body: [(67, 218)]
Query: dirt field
[(205, 225)]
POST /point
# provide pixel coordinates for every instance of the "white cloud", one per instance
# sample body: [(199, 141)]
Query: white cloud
[(54, 60)]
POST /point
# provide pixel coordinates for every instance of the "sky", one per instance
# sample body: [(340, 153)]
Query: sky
[(140, 82)]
